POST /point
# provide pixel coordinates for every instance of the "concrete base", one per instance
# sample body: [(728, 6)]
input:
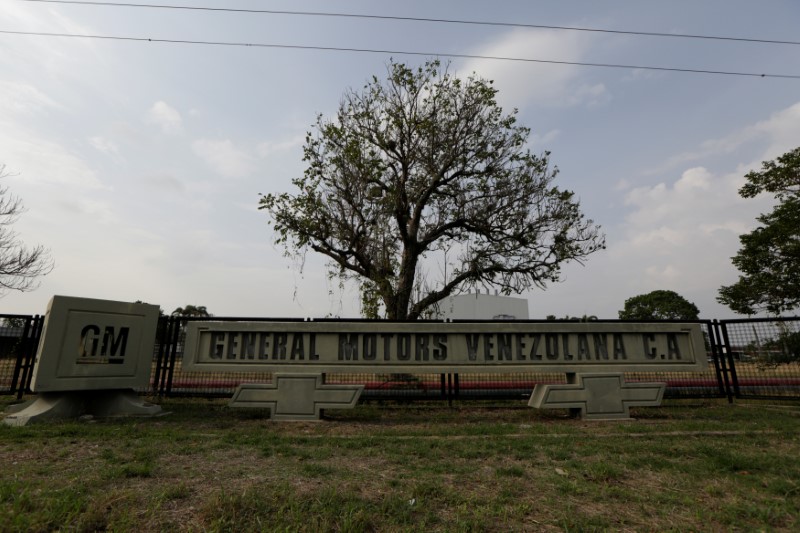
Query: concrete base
[(72, 404), (597, 396), (296, 396)]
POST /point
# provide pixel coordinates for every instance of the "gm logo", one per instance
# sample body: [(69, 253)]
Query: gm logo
[(105, 345)]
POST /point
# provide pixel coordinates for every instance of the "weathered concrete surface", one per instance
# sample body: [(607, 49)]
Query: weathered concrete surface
[(73, 404), (598, 396), (296, 396)]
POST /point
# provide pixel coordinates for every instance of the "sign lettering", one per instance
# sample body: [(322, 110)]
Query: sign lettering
[(111, 350), (443, 347)]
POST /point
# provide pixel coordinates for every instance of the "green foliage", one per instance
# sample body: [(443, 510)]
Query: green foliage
[(192, 310), (584, 318), (426, 164), (789, 344), (14, 322), (659, 305), (780, 177), (769, 258), (785, 348)]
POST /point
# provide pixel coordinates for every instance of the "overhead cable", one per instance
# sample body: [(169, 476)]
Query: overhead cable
[(400, 52), (418, 19)]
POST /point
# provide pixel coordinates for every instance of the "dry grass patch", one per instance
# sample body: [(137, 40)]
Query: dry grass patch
[(690, 466)]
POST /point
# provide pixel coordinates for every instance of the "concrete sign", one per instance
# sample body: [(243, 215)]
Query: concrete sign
[(91, 345), (95, 344), (442, 347), (593, 355)]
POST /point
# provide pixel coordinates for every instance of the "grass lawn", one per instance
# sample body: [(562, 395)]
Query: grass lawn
[(689, 465)]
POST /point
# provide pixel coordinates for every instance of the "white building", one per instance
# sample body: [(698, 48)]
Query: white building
[(483, 307)]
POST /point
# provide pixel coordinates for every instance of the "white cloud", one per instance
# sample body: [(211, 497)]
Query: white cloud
[(663, 276), (622, 184), (58, 57), (694, 197), (104, 145), (164, 181), (545, 139), (98, 211), (658, 238), (70, 109), (224, 157), (590, 95), (736, 227), (165, 117), (781, 131), (643, 74), (268, 148), (678, 234), (528, 84), (40, 160), (694, 179), (23, 99)]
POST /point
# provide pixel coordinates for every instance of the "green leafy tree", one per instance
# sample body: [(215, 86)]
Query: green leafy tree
[(769, 259), (192, 310), (786, 348), (20, 266), (425, 164), (774, 350), (659, 305), (14, 322), (584, 318)]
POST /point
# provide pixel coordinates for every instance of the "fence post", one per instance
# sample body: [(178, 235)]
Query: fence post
[(717, 352), (163, 347), (26, 356), (731, 365), (16, 384), (173, 353)]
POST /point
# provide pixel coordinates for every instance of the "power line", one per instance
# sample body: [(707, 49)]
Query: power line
[(419, 19), (399, 52)]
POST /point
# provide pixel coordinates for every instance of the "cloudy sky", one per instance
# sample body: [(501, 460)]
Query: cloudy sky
[(141, 163)]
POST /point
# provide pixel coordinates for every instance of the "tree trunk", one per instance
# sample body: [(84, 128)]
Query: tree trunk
[(397, 309)]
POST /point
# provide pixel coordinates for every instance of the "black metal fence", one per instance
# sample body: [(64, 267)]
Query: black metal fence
[(749, 358), (19, 339)]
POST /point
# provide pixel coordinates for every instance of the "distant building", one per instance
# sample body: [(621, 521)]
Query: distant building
[(483, 307)]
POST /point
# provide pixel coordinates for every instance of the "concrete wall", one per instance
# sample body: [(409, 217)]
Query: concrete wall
[(483, 307)]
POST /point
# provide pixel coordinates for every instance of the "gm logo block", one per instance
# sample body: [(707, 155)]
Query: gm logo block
[(112, 348), (92, 344)]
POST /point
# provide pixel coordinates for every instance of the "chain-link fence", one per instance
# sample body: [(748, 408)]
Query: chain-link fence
[(764, 356)]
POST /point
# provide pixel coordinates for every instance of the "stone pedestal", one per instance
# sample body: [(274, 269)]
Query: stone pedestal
[(598, 396), (296, 396), (72, 404)]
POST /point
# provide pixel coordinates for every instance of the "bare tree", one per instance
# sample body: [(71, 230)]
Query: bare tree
[(20, 266)]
